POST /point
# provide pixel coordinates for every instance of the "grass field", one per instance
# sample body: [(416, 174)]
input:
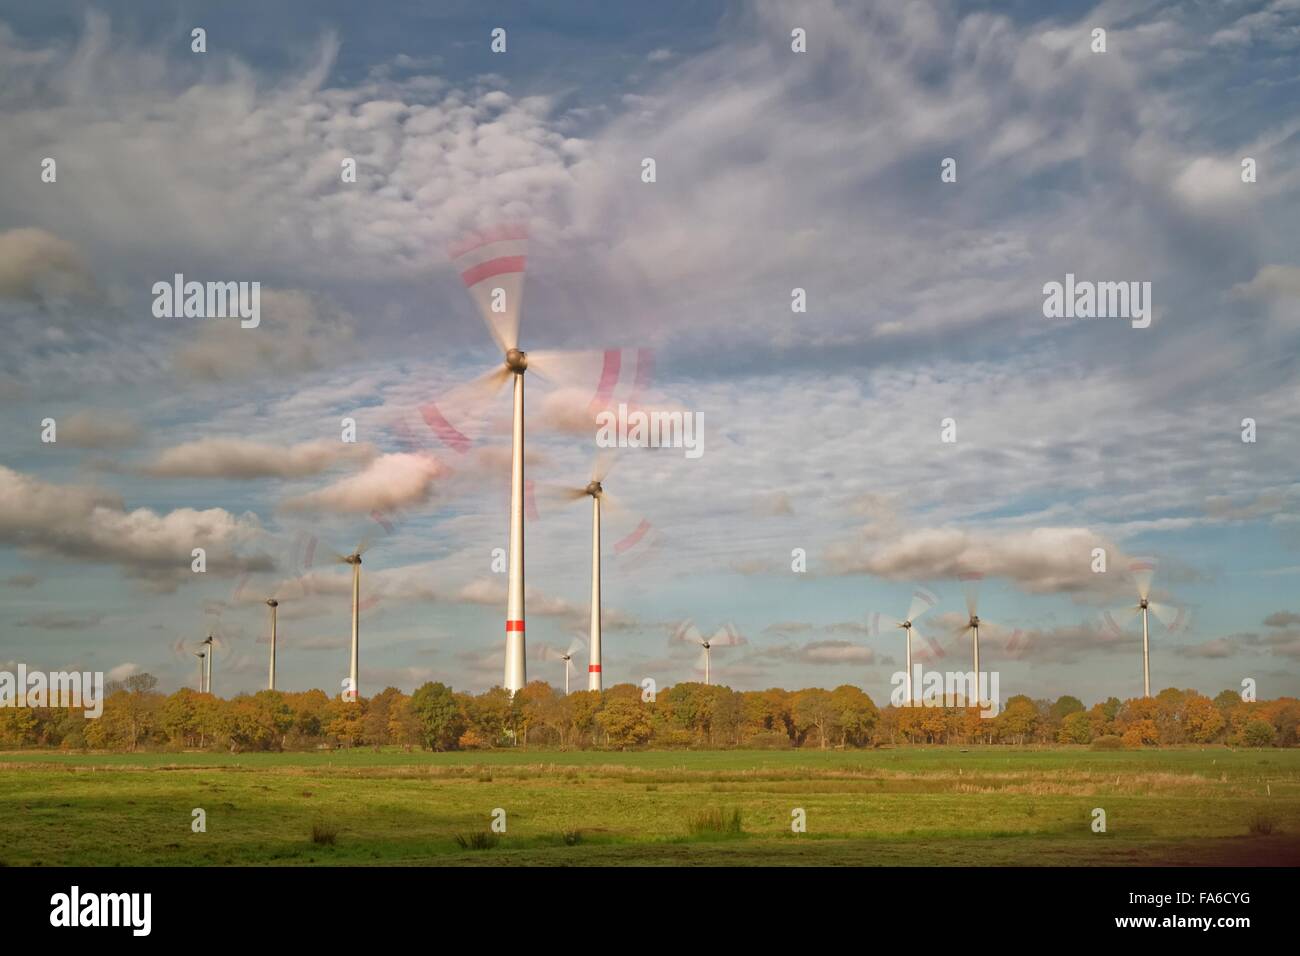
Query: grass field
[(924, 806)]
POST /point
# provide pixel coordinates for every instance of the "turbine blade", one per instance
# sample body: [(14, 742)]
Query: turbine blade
[(726, 636), (554, 494), (922, 601), (1117, 618), (610, 505), (603, 463), (491, 266), (1169, 616), (687, 633), (1142, 571), (575, 645), (971, 588)]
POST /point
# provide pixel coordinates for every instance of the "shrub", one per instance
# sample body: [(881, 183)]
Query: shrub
[(1107, 742)]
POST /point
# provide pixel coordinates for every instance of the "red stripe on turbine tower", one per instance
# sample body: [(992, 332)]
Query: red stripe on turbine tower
[(593, 668), (514, 625), (493, 267)]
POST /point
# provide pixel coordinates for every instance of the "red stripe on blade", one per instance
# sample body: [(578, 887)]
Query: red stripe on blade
[(608, 378), (631, 540), (476, 240), (447, 433), (492, 267)]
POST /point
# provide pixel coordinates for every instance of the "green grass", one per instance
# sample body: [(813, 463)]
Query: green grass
[(922, 806)]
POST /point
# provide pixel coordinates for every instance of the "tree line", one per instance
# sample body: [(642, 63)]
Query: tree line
[(688, 715)]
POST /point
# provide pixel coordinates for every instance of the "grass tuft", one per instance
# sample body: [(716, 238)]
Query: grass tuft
[(1262, 824), (478, 840), (324, 834), (715, 822)]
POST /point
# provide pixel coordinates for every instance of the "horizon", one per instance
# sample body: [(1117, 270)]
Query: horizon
[(867, 356)]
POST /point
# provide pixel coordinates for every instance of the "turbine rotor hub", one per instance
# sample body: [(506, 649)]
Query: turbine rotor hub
[(517, 360), (594, 489), (273, 603)]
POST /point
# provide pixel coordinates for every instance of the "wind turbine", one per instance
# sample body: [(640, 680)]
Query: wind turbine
[(202, 680), (353, 693), (595, 490), (725, 636), (272, 603), (972, 624), (212, 650), (491, 266), (552, 654), (922, 601), (1171, 617)]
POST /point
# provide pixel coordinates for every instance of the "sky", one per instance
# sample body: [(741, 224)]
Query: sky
[(823, 430)]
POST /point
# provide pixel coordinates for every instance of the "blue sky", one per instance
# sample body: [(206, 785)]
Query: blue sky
[(775, 170)]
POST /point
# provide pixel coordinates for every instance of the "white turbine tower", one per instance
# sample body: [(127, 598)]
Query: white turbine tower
[(202, 656), (553, 654), (725, 636), (1171, 617), (922, 601), (212, 652), (272, 603), (353, 692)]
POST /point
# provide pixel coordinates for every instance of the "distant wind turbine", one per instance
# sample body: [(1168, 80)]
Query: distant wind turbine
[(922, 601), (212, 650), (553, 654), (202, 677), (1171, 617), (725, 636), (353, 692)]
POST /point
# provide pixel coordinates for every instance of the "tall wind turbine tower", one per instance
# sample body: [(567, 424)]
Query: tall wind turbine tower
[(922, 601), (210, 654), (973, 624), (272, 603), (202, 677)]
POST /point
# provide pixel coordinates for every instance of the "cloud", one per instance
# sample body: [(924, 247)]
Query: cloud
[(820, 652), (22, 581), (85, 523), (1041, 561), (392, 481), (296, 334), (1277, 289), (98, 429), (36, 266), (1282, 619), (241, 458), (56, 621)]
